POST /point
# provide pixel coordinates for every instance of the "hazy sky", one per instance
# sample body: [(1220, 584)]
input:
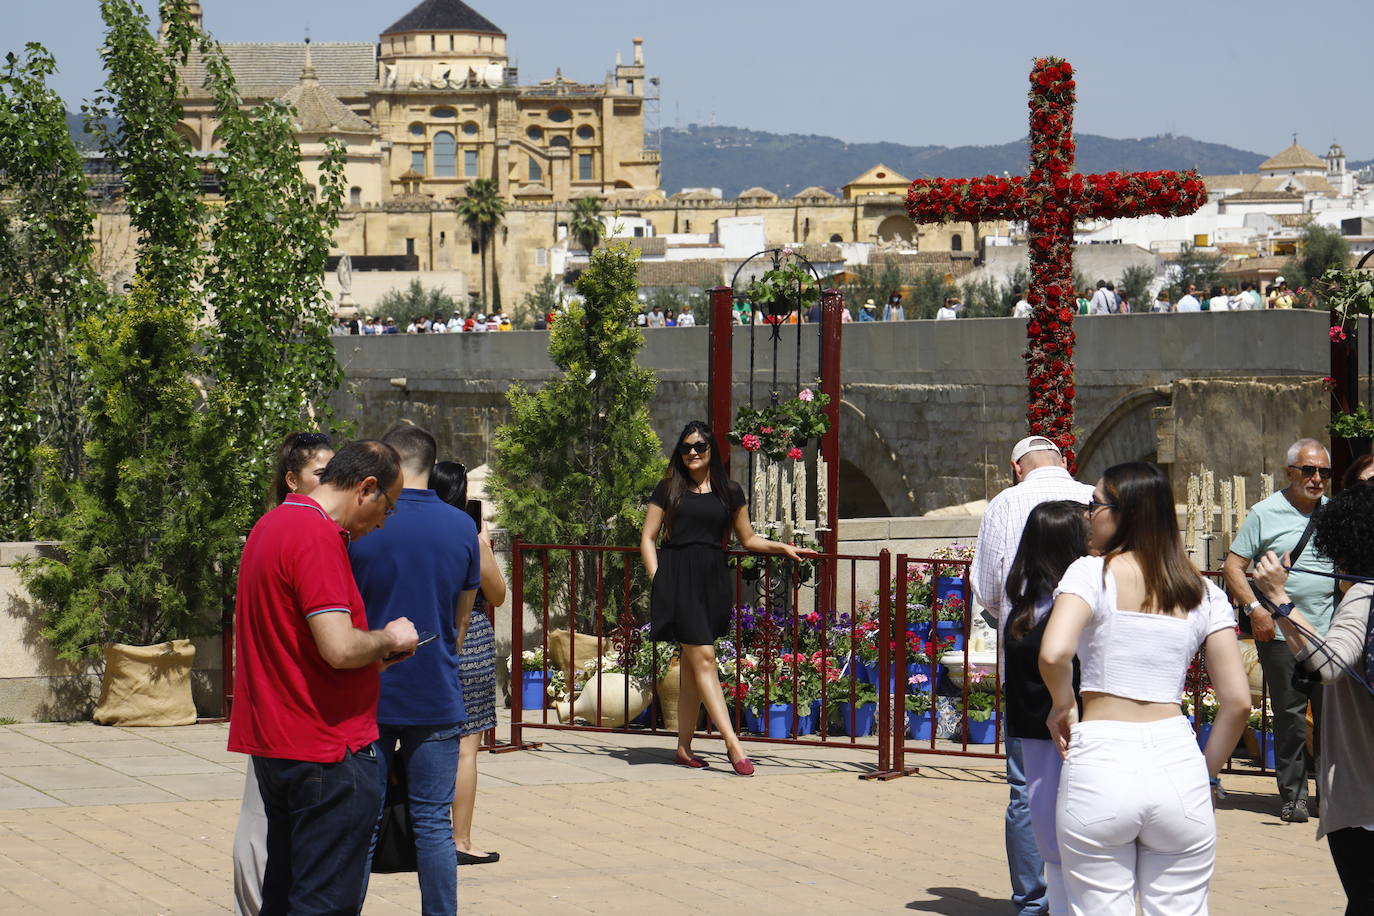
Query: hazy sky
[(1247, 74)]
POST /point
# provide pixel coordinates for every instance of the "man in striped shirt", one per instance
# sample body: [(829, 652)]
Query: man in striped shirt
[(1040, 475)]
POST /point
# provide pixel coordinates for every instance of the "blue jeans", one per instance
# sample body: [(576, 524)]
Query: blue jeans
[(319, 817), (1023, 857), (430, 755)]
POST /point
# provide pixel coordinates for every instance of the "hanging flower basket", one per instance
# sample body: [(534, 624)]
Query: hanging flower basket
[(780, 431)]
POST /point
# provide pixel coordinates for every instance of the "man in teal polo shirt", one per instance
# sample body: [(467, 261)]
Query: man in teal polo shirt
[(1278, 524)]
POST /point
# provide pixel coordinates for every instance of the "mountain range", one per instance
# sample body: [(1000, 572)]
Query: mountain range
[(734, 158)]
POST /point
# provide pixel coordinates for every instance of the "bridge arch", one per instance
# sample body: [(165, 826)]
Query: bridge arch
[(1126, 433), (872, 481)]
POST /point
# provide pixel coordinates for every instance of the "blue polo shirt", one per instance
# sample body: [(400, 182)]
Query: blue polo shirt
[(416, 566)]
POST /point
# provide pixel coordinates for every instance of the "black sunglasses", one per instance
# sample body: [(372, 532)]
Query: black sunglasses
[(1094, 505), (312, 440), (700, 447), (1310, 470)]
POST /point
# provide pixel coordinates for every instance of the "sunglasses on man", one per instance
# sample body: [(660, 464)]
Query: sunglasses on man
[(1311, 470), (699, 448)]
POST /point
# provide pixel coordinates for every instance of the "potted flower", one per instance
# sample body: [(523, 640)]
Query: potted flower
[(918, 716), (852, 718), (785, 287), (1261, 735), (780, 431), (534, 677), (951, 615), (1202, 714), (982, 710)]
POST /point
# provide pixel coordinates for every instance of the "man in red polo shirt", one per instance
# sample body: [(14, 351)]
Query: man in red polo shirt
[(306, 685)]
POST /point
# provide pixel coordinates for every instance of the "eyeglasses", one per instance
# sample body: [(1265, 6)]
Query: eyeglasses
[(699, 447), (1311, 470), (1094, 505), (390, 506)]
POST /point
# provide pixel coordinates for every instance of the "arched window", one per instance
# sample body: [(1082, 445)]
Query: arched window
[(470, 128), (355, 196), (560, 116), (956, 242), (417, 129), (836, 238), (535, 133), (585, 132), (445, 155), (443, 113), (559, 141)]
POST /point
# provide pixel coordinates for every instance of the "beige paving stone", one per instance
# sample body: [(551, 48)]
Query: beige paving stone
[(125, 795), (69, 776), (203, 786), (169, 764)]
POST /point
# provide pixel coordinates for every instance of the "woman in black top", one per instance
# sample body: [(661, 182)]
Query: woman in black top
[(697, 506), (1055, 535)]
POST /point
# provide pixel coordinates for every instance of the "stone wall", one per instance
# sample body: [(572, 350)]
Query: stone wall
[(929, 408)]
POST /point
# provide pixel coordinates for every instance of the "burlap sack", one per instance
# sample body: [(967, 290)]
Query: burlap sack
[(147, 685)]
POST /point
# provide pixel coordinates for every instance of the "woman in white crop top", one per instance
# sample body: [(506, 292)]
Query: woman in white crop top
[(1135, 807)]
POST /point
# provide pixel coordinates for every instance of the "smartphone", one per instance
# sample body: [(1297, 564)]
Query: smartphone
[(425, 638), (474, 509)]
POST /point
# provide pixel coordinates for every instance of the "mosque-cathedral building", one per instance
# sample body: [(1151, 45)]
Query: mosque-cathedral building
[(435, 103)]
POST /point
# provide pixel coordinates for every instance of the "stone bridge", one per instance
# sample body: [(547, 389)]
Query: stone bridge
[(929, 408)]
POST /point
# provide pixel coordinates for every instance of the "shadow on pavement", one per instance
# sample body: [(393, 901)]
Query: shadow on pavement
[(958, 901)]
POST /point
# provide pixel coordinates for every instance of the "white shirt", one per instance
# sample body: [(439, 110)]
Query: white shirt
[(657, 320), (1101, 302), (1022, 309), (1256, 302), (686, 320), (1134, 654), (1004, 520), (945, 313), (1188, 303), (455, 324), (1219, 304)]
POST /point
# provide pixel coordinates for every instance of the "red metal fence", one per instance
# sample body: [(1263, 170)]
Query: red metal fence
[(897, 666)]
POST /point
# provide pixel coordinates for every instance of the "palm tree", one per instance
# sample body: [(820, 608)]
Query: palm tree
[(482, 211), (586, 225)]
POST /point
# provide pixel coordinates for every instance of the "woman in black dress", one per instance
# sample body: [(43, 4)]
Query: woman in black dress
[(697, 506)]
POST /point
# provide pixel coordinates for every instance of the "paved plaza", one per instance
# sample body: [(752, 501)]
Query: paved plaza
[(140, 821)]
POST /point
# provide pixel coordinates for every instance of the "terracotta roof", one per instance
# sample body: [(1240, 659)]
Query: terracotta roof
[(273, 68), (318, 110), (1259, 196), (815, 192), (443, 16), (757, 193), (702, 274), (1295, 157)]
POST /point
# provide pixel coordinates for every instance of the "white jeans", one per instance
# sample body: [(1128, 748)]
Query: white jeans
[(1041, 763), (1135, 817)]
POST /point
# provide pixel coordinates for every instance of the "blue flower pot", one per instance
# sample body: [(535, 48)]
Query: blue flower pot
[(1265, 748), (944, 629), (984, 732), (779, 720), (920, 630), (863, 719), (753, 721), (532, 695), (949, 587), (1203, 731), (806, 725), (918, 725), (646, 718)]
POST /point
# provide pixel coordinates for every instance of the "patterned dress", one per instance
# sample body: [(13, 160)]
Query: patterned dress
[(477, 671)]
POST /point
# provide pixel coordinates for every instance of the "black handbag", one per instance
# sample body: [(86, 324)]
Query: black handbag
[(395, 850)]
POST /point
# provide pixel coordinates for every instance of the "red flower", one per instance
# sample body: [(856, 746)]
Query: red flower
[(795, 454)]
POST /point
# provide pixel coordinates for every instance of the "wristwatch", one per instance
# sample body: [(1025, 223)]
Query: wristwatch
[(1251, 608)]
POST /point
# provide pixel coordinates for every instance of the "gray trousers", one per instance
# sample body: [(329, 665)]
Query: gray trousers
[(250, 849), (1290, 718)]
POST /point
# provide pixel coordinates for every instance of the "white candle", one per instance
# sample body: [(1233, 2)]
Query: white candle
[(785, 499), (1238, 484), (1190, 516), (799, 494), (759, 489), (1208, 502), (770, 497), (1227, 515)]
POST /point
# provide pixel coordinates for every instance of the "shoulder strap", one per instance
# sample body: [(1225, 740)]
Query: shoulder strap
[(1306, 536)]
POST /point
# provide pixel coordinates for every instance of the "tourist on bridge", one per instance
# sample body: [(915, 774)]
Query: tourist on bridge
[(1056, 535), (1188, 302), (305, 686), (1343, 531), (1135, 814), (696, 507), (1282, 523), (1039, 474), (476, 665)]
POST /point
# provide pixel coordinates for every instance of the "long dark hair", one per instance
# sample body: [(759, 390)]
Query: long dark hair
[(677, 477), (449, 480), (296, 451), (1147, 528), (1055, 535)]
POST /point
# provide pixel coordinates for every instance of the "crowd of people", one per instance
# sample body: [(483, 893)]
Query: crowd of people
[(1101, 612), (364, 654)]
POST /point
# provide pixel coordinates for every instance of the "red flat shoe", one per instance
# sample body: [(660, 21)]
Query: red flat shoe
[(743, 766), (695, 763)]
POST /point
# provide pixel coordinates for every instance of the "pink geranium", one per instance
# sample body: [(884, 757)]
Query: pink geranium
[(751, 442), (806, 395), (795, 454)]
